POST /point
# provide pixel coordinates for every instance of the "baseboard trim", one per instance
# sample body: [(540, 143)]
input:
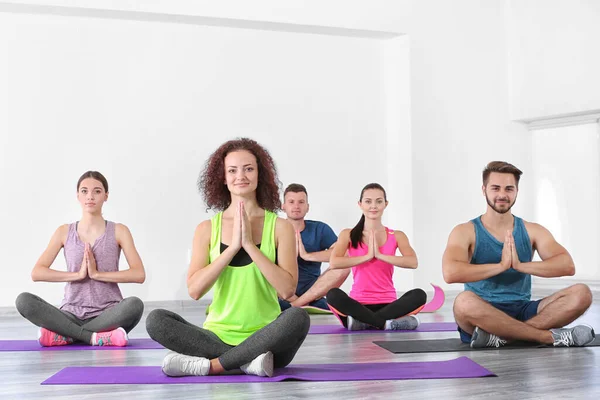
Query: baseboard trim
[(148, 306), (542, 286), (561, 283)]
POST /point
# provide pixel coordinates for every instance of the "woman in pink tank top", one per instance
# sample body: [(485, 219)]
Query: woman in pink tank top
[(370, 250), (93, 310)]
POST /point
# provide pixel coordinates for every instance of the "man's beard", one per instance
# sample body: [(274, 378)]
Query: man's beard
[(499, 210)]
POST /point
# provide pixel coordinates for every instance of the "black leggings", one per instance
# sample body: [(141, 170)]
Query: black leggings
[(375, 314), (282, 337)]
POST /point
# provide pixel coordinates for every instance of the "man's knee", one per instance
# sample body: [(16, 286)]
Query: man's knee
[(583, 296), (465, 304)]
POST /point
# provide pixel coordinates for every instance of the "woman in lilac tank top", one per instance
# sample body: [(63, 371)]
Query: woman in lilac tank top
[(370, 250), (93, 310)]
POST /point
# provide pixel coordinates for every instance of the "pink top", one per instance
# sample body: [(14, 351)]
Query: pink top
[(88, 298), (373, 283)]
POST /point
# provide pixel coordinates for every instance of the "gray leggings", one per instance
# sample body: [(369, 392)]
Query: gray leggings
[(126, 315), (282, 337)]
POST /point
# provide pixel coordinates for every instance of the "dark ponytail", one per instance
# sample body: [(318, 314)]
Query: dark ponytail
[(357, 232)]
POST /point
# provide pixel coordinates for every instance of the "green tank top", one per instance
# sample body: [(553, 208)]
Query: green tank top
[(243, 300)]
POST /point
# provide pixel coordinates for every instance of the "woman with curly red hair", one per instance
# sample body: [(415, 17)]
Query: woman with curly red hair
[(248, 256)]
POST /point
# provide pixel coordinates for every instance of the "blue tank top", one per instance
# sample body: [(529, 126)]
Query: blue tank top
[(510, 285)]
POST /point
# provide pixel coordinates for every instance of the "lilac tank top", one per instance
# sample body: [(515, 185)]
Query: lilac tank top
[(373, 283), (88, 298)]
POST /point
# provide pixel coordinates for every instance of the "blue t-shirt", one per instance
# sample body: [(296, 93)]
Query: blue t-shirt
[(316, 236)]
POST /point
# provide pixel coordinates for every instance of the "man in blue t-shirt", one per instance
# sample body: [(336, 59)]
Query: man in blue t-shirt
[(314, 241)]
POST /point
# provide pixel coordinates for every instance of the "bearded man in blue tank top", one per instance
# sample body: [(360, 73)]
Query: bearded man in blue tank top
[(492, 255)]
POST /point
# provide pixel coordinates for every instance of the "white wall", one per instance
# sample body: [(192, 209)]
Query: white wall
[(567, 188), (329, 92), (146, 103), (460, 121), (377, 15), (554, 57)]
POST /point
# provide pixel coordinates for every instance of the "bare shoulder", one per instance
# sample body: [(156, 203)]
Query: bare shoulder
[(400, 234), (344, 234), (61, 233), (464, 228), (123, 235), (535, 230), (204, 227), (464, 233), (121, 228), (533, 225), (283, 225)]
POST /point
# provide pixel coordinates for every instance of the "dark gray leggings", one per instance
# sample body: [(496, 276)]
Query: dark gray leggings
[(126, 315), (282, 337)]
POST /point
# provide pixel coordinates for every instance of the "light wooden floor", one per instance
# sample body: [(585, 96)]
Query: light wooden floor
[(527, 374)]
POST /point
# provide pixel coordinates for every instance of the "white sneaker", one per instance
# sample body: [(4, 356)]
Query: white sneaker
[(260, 366), (407, 323), (176, 364)]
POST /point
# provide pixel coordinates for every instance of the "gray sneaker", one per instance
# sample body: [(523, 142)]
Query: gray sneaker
[(407, 323), (577, 336), (481, 339), (356, 325)]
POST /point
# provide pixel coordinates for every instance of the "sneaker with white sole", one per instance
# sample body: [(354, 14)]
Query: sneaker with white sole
[(356, 325), (407, 323), (260, 366), (577, 336), (117, 337), (47, 338), (481, 339), (175, 364)]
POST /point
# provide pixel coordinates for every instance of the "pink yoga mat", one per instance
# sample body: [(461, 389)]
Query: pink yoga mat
[(33, 345), (437, 302), (423, 327), (462, 367)]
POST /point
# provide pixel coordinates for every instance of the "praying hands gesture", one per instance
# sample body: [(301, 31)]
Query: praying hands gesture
[(88, 257), (300, 249), (88, 265), (83, 270), (510, 257), (245, 227), (373, 251)]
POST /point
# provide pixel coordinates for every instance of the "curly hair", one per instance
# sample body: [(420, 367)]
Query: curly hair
[(215, 193)]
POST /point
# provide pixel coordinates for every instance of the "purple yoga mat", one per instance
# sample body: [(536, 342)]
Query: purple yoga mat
[(33, 345), (423, 327), (462, 367)]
